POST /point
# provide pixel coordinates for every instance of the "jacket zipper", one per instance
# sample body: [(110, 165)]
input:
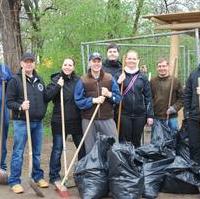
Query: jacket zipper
[(98, 93)]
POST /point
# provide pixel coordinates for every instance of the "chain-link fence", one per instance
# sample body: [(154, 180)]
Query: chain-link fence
[(150, 48)]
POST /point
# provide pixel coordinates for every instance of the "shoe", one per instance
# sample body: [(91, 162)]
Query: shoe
[(17, 188), (59, 186), (42, 183)]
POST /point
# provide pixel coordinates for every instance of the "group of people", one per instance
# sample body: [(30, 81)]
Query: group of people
[(141, 102)]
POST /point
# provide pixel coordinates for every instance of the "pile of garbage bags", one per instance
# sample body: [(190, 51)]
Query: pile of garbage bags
[(125, 172)]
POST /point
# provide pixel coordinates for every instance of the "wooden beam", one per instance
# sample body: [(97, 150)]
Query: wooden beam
[(181, 26), (156, 20)]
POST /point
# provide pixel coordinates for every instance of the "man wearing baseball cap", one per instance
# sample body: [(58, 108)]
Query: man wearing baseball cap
[(36, 104), (97, 87)]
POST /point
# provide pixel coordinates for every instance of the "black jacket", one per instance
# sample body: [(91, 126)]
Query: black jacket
[(138, 101), (191, 99), (72, 113), (112, 67), (36, 96)]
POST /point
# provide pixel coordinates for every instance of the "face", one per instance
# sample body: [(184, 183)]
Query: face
[(95, 65), (112, 54), (131, 60), (68, 66), (163, 69), (28, 66)]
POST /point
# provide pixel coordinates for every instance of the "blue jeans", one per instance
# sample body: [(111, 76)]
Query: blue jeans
[(19, 139), (55, 159), (4, 136), (172, 123)]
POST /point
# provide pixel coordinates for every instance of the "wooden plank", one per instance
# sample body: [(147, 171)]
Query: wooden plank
[(177, 26)]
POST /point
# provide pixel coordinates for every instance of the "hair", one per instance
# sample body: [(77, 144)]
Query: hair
[(162, 59), (131, 51), (73, 60), (113, 45)]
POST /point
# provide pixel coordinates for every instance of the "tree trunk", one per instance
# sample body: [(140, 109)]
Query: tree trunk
[(139, 7), (11, 35), (113, 17)]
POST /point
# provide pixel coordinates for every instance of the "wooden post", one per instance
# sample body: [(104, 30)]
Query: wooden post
[(174, 52)]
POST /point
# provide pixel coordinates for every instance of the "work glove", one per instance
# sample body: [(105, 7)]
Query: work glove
[(171, 110)]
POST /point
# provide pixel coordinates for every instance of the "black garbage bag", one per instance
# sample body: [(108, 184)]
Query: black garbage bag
[(182, 148), (181, 177), (176, 186), (126, 178), (91, 172), (151, 153), (154, 173), (163, 136)]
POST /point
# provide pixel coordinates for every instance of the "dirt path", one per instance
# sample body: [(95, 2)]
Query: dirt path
[(50, 193)]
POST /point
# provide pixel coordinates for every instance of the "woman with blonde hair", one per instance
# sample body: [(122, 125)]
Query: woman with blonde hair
[(137, 100)]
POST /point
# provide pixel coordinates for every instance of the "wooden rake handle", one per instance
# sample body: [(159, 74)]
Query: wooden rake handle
[(172, 84), (27, 123), (81, 143), (63, 129), (120, 104)]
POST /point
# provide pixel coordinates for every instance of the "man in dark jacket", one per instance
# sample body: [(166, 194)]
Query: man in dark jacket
[(97, 87), (37, 108), (192, 113), (112, 64)]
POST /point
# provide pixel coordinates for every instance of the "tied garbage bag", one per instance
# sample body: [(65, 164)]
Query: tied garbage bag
[(126, 178), (154, 173), (181, 177), (151, 153), (162, 135), (91, 172)]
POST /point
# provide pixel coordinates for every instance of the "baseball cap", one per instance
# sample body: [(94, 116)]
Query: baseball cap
[(28, 56), (95, 55)]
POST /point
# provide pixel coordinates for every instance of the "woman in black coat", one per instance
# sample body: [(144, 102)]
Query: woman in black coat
[(137, 101), (68, 79)]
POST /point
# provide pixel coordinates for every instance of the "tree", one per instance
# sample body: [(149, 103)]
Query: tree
[(10, 31), (139, 7)]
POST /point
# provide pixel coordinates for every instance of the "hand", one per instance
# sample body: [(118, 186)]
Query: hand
[(61, 81), (171, 110), (149, 121), (198, 90), (98, 100), (25, 105), (121, 78), (105, 92)]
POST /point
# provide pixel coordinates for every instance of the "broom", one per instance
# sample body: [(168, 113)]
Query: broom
[(31, 182), (63, 193), (78, 149)]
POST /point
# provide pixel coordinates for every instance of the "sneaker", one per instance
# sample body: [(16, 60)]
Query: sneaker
[(17, 188), (58, 185), (42, 183)]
